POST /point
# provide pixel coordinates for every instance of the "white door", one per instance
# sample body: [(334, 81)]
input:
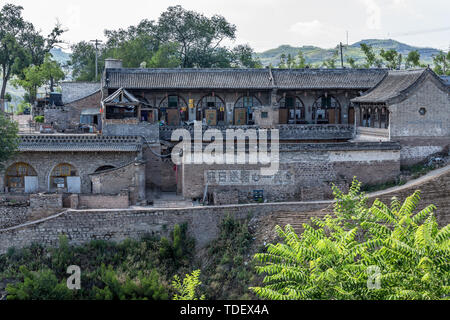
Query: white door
[(73, 184), (31, 184)]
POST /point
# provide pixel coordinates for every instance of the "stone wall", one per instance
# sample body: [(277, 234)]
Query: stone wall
[(203, 222), (306, 172), (88, 201), (84, 162), (13, 214)]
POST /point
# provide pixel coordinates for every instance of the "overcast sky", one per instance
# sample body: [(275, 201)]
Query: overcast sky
[(264, 24)]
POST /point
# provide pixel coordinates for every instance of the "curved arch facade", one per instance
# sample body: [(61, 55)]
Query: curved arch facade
[(292, 110), (17, 177), (243, 109), (326, 110), (173, 109), (211, 110), (64, 177)]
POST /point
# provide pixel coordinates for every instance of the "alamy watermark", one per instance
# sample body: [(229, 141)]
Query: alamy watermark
[(374, 280), (230, 150), (74, 281)]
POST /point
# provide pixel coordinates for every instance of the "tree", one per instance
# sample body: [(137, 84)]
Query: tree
[(441, 63), (188, 288), (9, 140), (352, 63), (370, 56), (362, 253), (243, 56), (413, 59), (196, 34), (331, 62), (82, 61), (35, 76), (392, 57), (20, 44)]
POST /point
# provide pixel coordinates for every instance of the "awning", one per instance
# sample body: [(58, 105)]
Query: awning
[(90, 112)]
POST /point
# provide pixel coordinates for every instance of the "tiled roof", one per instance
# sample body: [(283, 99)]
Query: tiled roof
[(446, 80), (188, 78), (394, 85), (328, 78), (73, 91), (243, 78), (80, 143)]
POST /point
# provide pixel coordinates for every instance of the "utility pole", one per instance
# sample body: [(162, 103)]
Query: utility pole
[(342, 55), (97, 42)]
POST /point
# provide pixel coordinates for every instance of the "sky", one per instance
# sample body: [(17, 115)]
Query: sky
[(263, 24)]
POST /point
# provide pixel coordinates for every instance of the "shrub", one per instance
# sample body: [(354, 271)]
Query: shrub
[(407, 252)]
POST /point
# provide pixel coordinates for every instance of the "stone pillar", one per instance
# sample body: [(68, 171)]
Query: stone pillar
[(140, 180)]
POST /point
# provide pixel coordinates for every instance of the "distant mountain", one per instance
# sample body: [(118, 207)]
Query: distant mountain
[(315, 55), (60, 56)]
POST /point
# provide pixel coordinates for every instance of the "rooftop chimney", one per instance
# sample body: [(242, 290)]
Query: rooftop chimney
[(113, 63)]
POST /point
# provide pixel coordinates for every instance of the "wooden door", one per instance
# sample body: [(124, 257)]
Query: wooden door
[(351, 116), (173, 117), (240, 116), (331, 116), (211, 117), (283, 116)]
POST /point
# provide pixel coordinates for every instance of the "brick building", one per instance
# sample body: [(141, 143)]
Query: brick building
[(333, 125)]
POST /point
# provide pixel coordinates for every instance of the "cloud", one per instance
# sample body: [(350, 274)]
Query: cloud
[(373, 11), (317, 33)]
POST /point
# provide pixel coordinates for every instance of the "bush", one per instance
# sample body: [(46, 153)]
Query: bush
[(380, 253), (39, 119)]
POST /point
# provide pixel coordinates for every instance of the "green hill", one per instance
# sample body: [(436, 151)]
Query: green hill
[(315, 55)]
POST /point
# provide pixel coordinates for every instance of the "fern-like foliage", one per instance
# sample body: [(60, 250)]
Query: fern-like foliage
[(187, 289), (333, 257)]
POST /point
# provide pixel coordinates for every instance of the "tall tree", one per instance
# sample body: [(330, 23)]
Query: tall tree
[(196, 34), (413, 59), (20, 44), (370, 56), (9, 140), (392, 57), (441, 63)]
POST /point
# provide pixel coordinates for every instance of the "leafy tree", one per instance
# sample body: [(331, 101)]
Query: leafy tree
[(370, 56), (392, 57), (363, 253), (82, 61), (194, 32), (243, 56), (352, 63), (441, 63), (20, 44), (301, 61), (413, 59), (49, 72), (165, 57), (9, 140), (188, 288)]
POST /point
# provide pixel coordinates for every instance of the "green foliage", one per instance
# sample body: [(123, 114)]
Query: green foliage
[(393, 58), (228, 270), (188, 288), (441, 63), (9, 140), (121, 287), (180, 38), (42, 285), (39, 119), (332, 259)]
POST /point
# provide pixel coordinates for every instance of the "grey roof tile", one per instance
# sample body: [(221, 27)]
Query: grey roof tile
[(80, 143)]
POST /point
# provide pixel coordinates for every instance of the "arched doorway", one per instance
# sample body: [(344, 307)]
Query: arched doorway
[(173, 110), (292, 110), (211, 110), (326, 110), (243, 110), (64, 178), (21, 177)]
